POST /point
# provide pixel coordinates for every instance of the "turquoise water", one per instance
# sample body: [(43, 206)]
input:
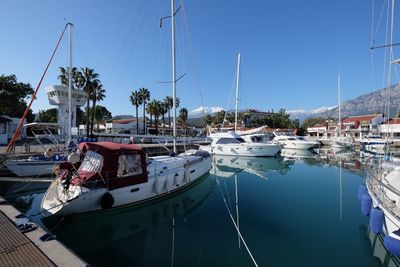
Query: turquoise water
[(291, 213)]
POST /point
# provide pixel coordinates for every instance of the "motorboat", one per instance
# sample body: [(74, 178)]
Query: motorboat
[(110, 175), (231, 144), (294, 141)]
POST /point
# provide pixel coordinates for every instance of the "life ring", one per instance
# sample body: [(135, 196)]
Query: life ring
[(107, 201)]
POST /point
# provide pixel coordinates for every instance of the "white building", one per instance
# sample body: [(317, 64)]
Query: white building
[(8, 126), (391, 128), (124, 126), (359, 126)]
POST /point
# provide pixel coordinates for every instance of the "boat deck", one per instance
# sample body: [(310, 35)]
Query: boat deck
[(18, 250)]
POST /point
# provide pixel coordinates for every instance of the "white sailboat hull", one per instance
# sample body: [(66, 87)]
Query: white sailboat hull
[(79, 199), (31, 167)]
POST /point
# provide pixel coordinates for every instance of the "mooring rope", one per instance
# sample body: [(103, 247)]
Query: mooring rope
[(234, 223)]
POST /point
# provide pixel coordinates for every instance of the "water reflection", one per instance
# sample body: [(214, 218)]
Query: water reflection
[(227, 166), (119, 237), (376, 249), (298, 153)]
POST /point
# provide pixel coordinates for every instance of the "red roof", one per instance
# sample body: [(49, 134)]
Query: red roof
[(360, 118), (318, 125), (124, 121)]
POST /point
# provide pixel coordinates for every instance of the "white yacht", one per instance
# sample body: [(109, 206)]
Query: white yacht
[(231, 144), (294, 141)]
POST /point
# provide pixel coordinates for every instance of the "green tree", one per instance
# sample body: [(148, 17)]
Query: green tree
[(145, 97), (97, 95), (102, 115), (49, 115), (13, 97), (207, 119), (136, 101), (219, 117), (183, 115)]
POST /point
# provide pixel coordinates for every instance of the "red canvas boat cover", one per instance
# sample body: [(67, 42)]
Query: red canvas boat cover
[(120, 165)]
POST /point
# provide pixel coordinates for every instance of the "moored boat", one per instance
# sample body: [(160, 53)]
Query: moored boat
[(111, 175), (231, 144)]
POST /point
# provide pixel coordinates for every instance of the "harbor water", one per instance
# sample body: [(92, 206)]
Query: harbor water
[(296, 211)]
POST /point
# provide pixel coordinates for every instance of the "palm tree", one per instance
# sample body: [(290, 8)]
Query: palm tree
[(183, 115), (164, 110), (145, 95), (136, 101), (149, 111), (169, 102), (64, 75), (90, 78), (98, 95)]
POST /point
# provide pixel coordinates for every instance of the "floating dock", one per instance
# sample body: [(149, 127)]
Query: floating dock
[(30, 248)]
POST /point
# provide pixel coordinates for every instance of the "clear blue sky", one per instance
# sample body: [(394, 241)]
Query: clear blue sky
[(291, 50)]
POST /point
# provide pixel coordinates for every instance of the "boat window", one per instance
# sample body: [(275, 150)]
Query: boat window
[(129, 165), (291, 139), (228, 141), (241, 140), (92, 162)]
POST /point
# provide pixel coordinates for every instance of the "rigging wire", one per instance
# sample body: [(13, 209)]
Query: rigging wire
[(390, 63), (229, 99), (194, 62), (236, 227), (134, 43), (128, 37)]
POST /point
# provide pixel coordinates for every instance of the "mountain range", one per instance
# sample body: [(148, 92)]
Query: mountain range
[(363, 105)]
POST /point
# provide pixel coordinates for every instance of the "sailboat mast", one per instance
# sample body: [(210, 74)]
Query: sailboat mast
[(340, 121), (173, 72), (69, 124), (237, 91)]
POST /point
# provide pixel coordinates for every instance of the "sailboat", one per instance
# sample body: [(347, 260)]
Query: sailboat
[(380, 196), (341, 142), (232, 144), (105, 175)]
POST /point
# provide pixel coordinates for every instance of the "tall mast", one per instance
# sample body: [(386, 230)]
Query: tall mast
[(173, 72), (69, 124), (237, 91), (340, 122)]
